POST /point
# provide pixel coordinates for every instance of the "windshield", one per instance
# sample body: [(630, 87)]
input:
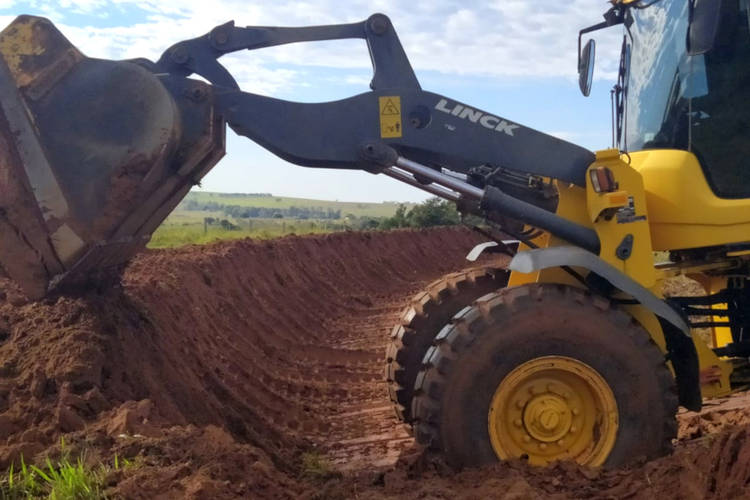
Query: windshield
[(694, 103)]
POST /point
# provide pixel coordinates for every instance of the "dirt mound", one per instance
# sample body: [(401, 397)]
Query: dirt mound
[(717, 414), (278, 343), (254, 369)]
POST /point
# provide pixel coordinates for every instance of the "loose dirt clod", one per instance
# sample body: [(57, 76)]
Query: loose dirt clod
[(254, 369)]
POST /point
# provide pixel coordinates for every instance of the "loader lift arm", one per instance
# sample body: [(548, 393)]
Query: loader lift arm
[(436, 131), (200, 55)]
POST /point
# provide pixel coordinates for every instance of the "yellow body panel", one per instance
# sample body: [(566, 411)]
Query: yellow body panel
[(612, 230), (683, 211), (720, 336), (715, 367)]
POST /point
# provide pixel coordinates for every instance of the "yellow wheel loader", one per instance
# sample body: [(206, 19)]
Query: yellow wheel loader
[(576, 353)]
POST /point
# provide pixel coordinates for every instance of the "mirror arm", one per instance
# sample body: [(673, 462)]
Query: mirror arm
[(588, 30), (612, 17)]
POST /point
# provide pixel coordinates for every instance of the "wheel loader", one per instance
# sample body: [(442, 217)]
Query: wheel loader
[(571, 353)]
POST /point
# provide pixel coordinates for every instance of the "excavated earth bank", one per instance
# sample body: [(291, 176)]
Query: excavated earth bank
[(254, 370)]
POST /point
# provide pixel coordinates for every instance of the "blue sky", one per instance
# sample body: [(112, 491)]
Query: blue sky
[(513, 58)]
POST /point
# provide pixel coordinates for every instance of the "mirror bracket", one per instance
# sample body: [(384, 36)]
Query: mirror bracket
[(613, 17)]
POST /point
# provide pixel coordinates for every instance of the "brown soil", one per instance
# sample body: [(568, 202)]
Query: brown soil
[(225, 371)]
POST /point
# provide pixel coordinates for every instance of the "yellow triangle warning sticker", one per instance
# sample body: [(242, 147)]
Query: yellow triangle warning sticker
[(389, 109), (390, 116)]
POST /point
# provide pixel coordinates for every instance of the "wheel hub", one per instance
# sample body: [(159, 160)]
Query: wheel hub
[(547, 417), (553, 408)]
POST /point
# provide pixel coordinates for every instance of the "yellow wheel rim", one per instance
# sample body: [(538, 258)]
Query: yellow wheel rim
[(553, 408)]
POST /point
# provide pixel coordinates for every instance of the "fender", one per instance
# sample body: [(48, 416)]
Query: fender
[(489, 247), (542, 258)]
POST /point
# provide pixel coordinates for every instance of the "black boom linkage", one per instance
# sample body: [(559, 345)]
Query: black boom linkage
[(396, 128)]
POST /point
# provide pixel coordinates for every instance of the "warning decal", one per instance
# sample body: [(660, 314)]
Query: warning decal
[(390, 116)]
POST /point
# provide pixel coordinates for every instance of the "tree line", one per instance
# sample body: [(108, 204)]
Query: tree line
[(244, 212), (430, 213)]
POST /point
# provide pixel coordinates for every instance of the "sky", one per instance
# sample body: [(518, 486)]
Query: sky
[(513, 58)]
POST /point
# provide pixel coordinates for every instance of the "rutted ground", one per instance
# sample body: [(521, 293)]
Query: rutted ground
[(220, 366)]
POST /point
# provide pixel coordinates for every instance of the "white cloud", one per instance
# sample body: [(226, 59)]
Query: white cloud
[(82, 6), (502, 39), (357, 80), (510, 42)]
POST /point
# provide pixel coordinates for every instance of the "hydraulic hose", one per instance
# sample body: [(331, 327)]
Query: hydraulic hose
[(494, 200)]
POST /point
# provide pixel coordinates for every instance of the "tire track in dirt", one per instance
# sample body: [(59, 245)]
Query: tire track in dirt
[(311, 325)]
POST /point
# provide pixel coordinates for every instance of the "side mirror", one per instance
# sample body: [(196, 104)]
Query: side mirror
[(586, 67), (705, 16)]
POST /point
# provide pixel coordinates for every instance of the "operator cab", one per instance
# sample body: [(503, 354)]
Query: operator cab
[(682, 112), (684, 84), (698, 103)]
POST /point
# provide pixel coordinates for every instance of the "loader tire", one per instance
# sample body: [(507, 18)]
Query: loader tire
[(544, 372), (428, 312)]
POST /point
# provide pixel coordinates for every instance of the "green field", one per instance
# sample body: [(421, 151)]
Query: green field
[(384, 209), (184, 226)]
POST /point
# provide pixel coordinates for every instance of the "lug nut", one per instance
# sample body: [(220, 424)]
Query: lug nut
[(519, 404), (527, 439), (542, 446), (517, 422), (576, 411), (573, 429)]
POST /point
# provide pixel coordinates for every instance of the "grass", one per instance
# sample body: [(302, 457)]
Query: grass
[(186, 228), (55, 480), (315, 465), (61, 479), (207, 217), (358, 209)]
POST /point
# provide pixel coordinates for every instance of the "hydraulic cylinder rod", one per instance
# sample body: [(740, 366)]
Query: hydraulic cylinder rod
[(456, 185), (432, 188), (494, 200)]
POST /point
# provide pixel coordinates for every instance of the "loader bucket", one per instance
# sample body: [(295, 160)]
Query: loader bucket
[(94, 154)]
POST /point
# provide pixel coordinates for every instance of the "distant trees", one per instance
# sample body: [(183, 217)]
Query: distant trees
[(223, 223), (244, 212), (399, 219), (430, 213), (242, 195)]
